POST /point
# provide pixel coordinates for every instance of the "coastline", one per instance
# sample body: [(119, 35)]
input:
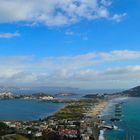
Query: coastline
[(111, 104), (87, 113), (75, 111), (102, 131), (97, 111), (99, 108)]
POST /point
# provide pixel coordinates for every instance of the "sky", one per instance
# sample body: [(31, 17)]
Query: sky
[(70, 43)]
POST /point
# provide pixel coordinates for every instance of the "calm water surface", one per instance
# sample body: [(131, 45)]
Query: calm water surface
[(26, 109)]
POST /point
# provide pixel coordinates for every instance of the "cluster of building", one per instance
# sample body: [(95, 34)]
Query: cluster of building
[(73, 129), (6, 95), (86, 128), (34, 129), (65, 129), (43, 97)]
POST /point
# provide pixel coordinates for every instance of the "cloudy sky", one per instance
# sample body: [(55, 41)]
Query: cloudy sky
[(75, 43)]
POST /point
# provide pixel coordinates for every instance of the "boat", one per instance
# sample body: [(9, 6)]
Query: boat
[(118, 112), (118, 115), (115, 119)]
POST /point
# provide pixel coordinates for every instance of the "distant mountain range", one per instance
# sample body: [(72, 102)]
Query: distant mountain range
[(34, 88), (133, 92), (31, 90), (55, 90)]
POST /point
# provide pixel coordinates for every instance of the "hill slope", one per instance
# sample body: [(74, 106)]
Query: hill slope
[(133, 92)]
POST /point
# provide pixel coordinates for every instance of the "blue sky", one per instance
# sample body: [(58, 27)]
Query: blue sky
[(78, 43)]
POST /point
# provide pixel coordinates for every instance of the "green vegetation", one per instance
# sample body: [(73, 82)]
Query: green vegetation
[(50, 136), (3, 128), (19, 137), (134, 92), (73, 111)]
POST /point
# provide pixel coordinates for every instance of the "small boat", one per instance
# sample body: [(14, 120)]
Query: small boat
[(118, 111), (115, 119), (118, 115), (118, 107)]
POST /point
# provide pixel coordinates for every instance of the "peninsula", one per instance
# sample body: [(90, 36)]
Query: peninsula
[(78, 120)]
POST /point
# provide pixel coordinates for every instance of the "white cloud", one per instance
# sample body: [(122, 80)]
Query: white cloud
[(54, 12), (126, 73), (9, 35), (106, 2), (118, 17), (89, 59), (80, 70), (82, 36), (69, 33), (119, 55)]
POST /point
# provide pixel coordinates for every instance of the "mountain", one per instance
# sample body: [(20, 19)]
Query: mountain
[(133, 92)]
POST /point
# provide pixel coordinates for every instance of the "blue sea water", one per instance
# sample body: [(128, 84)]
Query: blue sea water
[(129, 126), (26, 109)]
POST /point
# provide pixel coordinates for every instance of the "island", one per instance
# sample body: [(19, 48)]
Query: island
[(65, 94)]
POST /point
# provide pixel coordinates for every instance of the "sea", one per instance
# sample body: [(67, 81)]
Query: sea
[(27, 109), (128, 126)]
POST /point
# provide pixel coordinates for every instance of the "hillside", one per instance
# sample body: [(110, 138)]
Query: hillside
[(133, 92)]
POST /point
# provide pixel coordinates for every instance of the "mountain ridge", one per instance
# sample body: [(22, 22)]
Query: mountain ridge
[(133, 92)]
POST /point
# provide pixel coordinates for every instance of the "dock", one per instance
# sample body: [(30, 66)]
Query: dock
[(106, 126)]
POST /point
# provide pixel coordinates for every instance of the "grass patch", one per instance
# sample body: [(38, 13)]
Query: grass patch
[(19, 137)]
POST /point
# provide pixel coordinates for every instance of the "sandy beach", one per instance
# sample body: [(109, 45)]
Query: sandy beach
[(98, 109)]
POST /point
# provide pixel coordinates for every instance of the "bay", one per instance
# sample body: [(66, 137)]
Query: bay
[(26, 109)]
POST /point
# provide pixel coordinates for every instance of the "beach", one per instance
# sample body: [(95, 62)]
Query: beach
[(98, 108), (95, 112)]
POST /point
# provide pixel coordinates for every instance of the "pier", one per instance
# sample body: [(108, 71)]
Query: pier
[(106, 126)]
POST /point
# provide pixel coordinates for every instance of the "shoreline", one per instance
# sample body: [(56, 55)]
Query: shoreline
[(111, 103), (84, 112), (96, 112), (97, 108), (102, 131)]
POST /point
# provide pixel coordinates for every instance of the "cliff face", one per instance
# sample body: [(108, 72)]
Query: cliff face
[(133, 92)]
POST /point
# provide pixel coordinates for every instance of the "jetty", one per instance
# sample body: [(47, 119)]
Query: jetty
[(106, 126)]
